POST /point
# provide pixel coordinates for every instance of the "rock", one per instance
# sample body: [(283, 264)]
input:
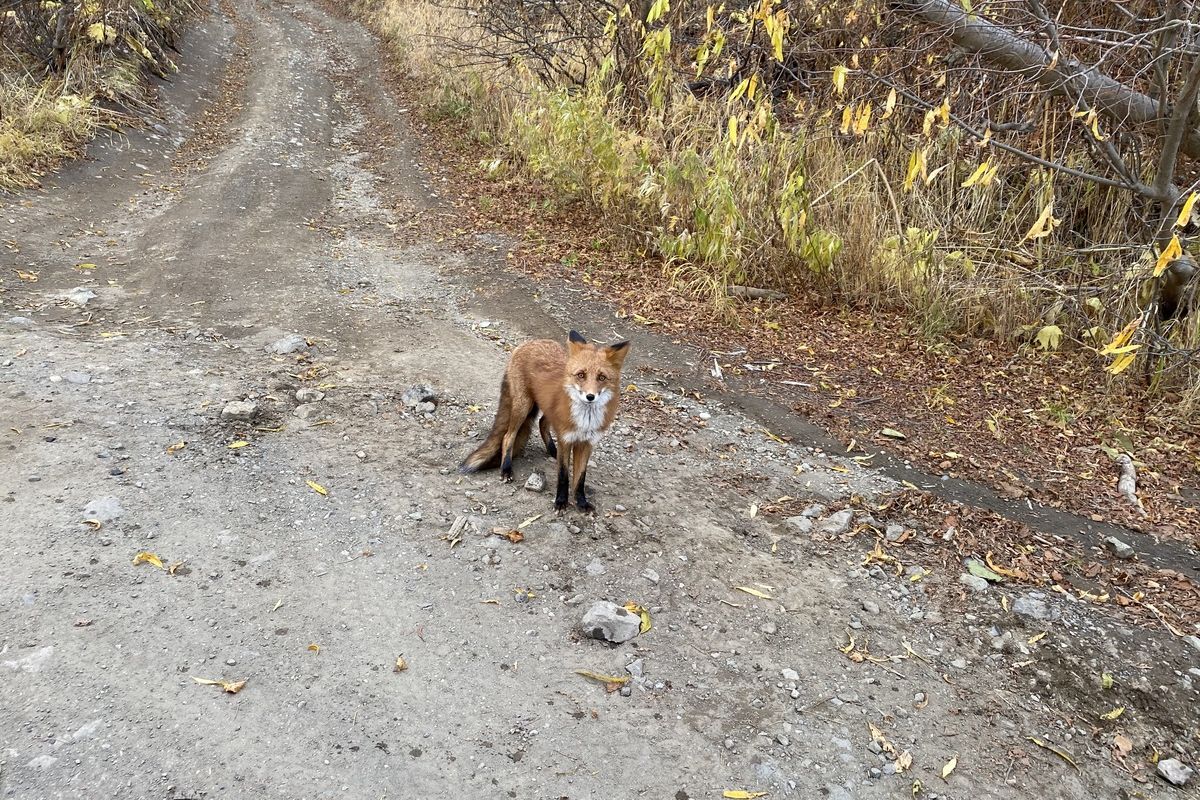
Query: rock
[(635, 668), (1194, 641), (729, 744), (650, 575), (594, 568), (422, 393), (32, 662), (293, 343), (239, 410), (837, 524), (573, 601), (42, 762), (307, 394), (973, 582), (893, 532), (875, 772), (620, 509), (783, 740), (1030, 606), (870, 606), (875, 747), (425, 407), (77, 378), (790, 675), (626, 690), (815, 510), (770, 629), (20, 322), (959, 663), (1175, 771), (106, 509), (307, 411), (610, 622), (80, 296), (1118, 548), (536, 481), (800, 524)]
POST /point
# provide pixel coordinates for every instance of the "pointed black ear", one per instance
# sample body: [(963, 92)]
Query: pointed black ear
[(619, 345), (576, 338)]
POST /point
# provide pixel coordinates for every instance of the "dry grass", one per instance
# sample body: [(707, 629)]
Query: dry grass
[(40, 126)]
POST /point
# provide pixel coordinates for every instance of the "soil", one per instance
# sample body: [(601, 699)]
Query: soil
[(310, 548)]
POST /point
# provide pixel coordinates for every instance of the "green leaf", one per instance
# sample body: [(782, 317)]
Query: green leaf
[(981, 570), (1049, 337)]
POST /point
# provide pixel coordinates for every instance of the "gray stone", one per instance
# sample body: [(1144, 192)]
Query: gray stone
[(837, 524), (875, 772), (626, 690), (239, 410), (815, 510), (1035, 608), (536, 481), (893, 532), (425, 407), (1118, 548), (80, 296), (422, 393), (106, 509), (307, 411), (1175, 771), (650, 575), (635, 668), (1194, 641), (973, 582), (293, 343), (870, 606), (78, 378), (594, 568), (20, 322), (769, 628), (790, 675), (610, 622), (783, 740), (800, 524), (307, 394), (959, 663), (32, 662)]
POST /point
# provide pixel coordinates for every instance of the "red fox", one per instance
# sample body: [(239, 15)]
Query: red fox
[(576, 391)]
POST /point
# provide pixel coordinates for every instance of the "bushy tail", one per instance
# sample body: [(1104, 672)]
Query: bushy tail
[(487, 455)]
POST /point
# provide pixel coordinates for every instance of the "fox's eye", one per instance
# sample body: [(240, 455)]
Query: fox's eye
[(602, 377), (581, 374)]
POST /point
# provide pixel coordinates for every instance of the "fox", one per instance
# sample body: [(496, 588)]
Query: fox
[(576, 391)]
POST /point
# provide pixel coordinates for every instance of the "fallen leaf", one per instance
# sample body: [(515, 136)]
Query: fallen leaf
[(1106, 680), (145, 557), (949, 767), (175, 448), (903, 761), (85, 265), (173, 567), (877, 735), (611, 682), (512, 534), (27, 276), (492, 602), (82, 623), (741, 794), (1111, 715), (236, 445), (916, 788), (1001, 570), (1036, 638), (1123, 744), (892, 433), (1057, 751), (94, 524), (401, 664), (754, 592), (233, 687), (641, 611), (979, 570), (318, 488), (315, 648)]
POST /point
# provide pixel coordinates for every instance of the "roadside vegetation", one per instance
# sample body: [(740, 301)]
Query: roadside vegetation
[(68, 69)]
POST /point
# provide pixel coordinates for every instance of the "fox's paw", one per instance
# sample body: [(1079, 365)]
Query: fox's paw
[(560, 508), (506, 477), (587, 507)]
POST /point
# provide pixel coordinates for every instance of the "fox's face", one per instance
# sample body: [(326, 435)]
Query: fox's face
[(593, 372)]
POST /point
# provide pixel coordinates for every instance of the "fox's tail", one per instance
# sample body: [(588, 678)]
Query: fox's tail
[(487, 455)]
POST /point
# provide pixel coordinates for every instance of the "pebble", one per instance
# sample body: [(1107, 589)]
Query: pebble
[(650, 575), (920, 698), (620, 509), (1114, 545), (800, 524), (876, 772), (307, 411), (78, 378), (626, 690), (704, 415), (229, 662), (815, 510), (769, 628), (790, 675), (595, 568), (610, 622), (783, 740), (80, 296), (973, 582), (870, 606), (415, 395), (1030, 606), (425, 407), (635, 667), (293, 343), (1175, 771), (536, 481), (959, 663), (893, 532), (728, 744), (239, 410), (837, 524), (307, 394)]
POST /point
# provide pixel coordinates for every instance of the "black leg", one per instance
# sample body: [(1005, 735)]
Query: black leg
[(506, 468), (581, 494), (551, 450), (564, 486)]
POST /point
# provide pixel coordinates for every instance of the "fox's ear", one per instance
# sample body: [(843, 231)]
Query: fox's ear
[(575, 343), (574, 337), (616, 353)]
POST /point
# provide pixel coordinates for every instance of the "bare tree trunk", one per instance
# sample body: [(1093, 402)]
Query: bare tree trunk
[(1063, 76), (58, 57)]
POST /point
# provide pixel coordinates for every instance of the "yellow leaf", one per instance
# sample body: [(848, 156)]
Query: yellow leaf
[(233, 687), (1172, 251), (318, 488), (1057, 751), (1046, 222), (1111, 715), (1121, 364), (1094, 127), (173, 567), (1037, 637), (642, 613), (994, 567), (1185, 213), (85, 266), (903, 761), (944, 111), (94, 524), (847, 116), (927, 124), (27, 276), (976, 175), (401, 664), (862, 120), (1106, 680), (620, 680), (1122, 338), (741, 794), (733, 131), (916, 166), (949, 767), (146, 557), (175, 448), (916, 788), (236, 445), (839, 78), (754, 592), (889, 106), (314, 648)]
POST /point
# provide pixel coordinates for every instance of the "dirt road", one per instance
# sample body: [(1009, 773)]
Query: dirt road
[(173, 265)]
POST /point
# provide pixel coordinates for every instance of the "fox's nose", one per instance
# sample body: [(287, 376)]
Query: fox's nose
[(590, 397)]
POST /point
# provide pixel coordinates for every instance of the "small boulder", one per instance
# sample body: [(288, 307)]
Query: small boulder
[(536, 481), (307, 394), (239, 410), (293, 343), (307, 411), (1175, 771), (415, 395), (1118, 548), (800, 524), (973, 582), (610, 622), (106, 509), (1036, 608), (837, 524)]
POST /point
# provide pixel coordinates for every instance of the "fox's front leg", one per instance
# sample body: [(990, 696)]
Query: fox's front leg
[(581, 452), (564, 478)]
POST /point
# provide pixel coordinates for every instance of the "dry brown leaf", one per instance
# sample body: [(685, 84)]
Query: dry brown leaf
[(1122, 744), (512, 534), (401, 664), (903, 761), (949, 767), (877, 735), (175, 448), (174, 567), (94, 524), (233, 687)]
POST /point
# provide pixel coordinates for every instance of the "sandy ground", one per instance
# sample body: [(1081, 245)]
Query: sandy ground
[(160, 292)]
